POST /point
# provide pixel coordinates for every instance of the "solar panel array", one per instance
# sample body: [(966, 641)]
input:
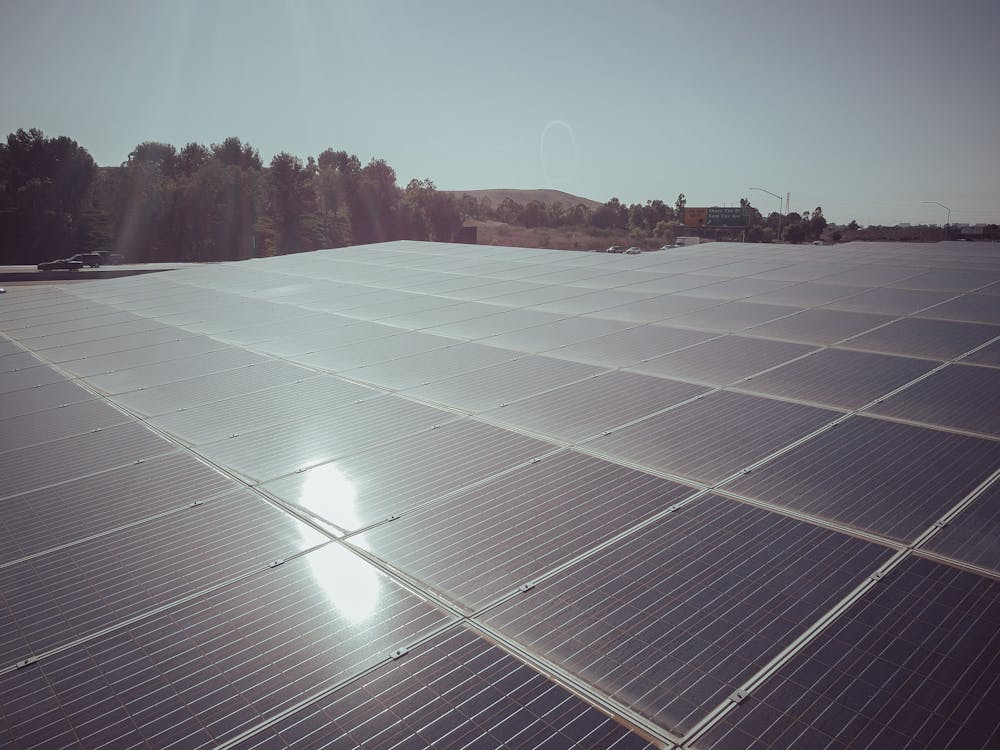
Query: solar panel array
[(416, 494)]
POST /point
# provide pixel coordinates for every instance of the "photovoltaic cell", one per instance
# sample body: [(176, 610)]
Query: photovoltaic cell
[(959, 396), (271, 452), (68, 593), (248, 412), (806, 294), (35, 521), (148, 352), (817, 326), (508, 381), (28, 400), (204, 671), (889, 478), (888, 301), (613, 399), (949, 280), (204, 389), (363, 353), (359, 490), (973, 535), (919, 337), (988, 355), (709, 439), (979, 308), (732, 316), (407, 372), (913, 663), (655, 309), (838, 377), (485, 542), (738, 288), (550, 335), (724, 360), (70, 458), (185, 368), (672, 619), (456, 690), (631, 345), (56, 423)]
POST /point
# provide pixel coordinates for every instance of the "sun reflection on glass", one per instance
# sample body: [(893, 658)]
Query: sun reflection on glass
[(328, 493), (350, 583)]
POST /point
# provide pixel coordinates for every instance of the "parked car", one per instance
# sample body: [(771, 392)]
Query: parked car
[(633, 250), (88, 259), (63, 264), (109, 258), (616, 249)]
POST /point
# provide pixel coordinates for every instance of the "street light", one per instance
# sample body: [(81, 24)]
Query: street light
[(947, 229), (779, 207)]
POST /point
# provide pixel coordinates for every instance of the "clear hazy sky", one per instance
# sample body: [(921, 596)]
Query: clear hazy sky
[(865, 107)]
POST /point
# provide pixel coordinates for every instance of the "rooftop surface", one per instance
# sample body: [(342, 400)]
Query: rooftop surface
[(414, 494)]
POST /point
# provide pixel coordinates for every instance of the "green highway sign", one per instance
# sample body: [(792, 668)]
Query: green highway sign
[(727, 216)]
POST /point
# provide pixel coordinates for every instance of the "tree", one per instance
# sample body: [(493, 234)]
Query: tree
[(379, 197), (192, 158), (232, 152), (794, 233), (853, 226), (292, 203), (817, 223), (679, 205)]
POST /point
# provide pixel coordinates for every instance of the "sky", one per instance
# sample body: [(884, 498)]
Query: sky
[(876, 111)]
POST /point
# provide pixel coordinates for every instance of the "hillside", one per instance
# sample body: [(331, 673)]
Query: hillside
[(524, 197)]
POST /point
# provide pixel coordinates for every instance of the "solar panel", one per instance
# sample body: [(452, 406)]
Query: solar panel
[(671, 619), (485, 542), (484, 530), (958, 396), (915, 659), (973, 536), (837, 377), (711, 438), (616, 398), (69, 593), (889, 478), (631, 345), (368, 487), (816, 326), (203, 671), (732, 316), (987, 355), (456, 690), (724, 360), (934, 339), (49, 517), (889, 301), (508, 381), (980, 308)]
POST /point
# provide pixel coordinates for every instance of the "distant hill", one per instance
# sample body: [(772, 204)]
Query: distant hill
[(526, 196)]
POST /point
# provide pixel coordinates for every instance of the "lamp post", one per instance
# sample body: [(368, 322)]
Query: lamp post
[(779, 207), (947, 227)]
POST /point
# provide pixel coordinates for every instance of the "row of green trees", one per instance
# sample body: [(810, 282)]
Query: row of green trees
[(216, 202), (653, 220)]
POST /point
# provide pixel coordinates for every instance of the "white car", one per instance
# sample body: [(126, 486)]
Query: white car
[(633, 251)]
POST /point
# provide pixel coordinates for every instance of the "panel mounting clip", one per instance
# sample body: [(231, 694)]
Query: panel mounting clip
[(739, 695), (276, 563), (526, 586), (399, 652), (26, 662)]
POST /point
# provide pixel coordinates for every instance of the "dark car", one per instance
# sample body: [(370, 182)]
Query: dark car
[(88, 259), (64, 264), (109, 258)]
